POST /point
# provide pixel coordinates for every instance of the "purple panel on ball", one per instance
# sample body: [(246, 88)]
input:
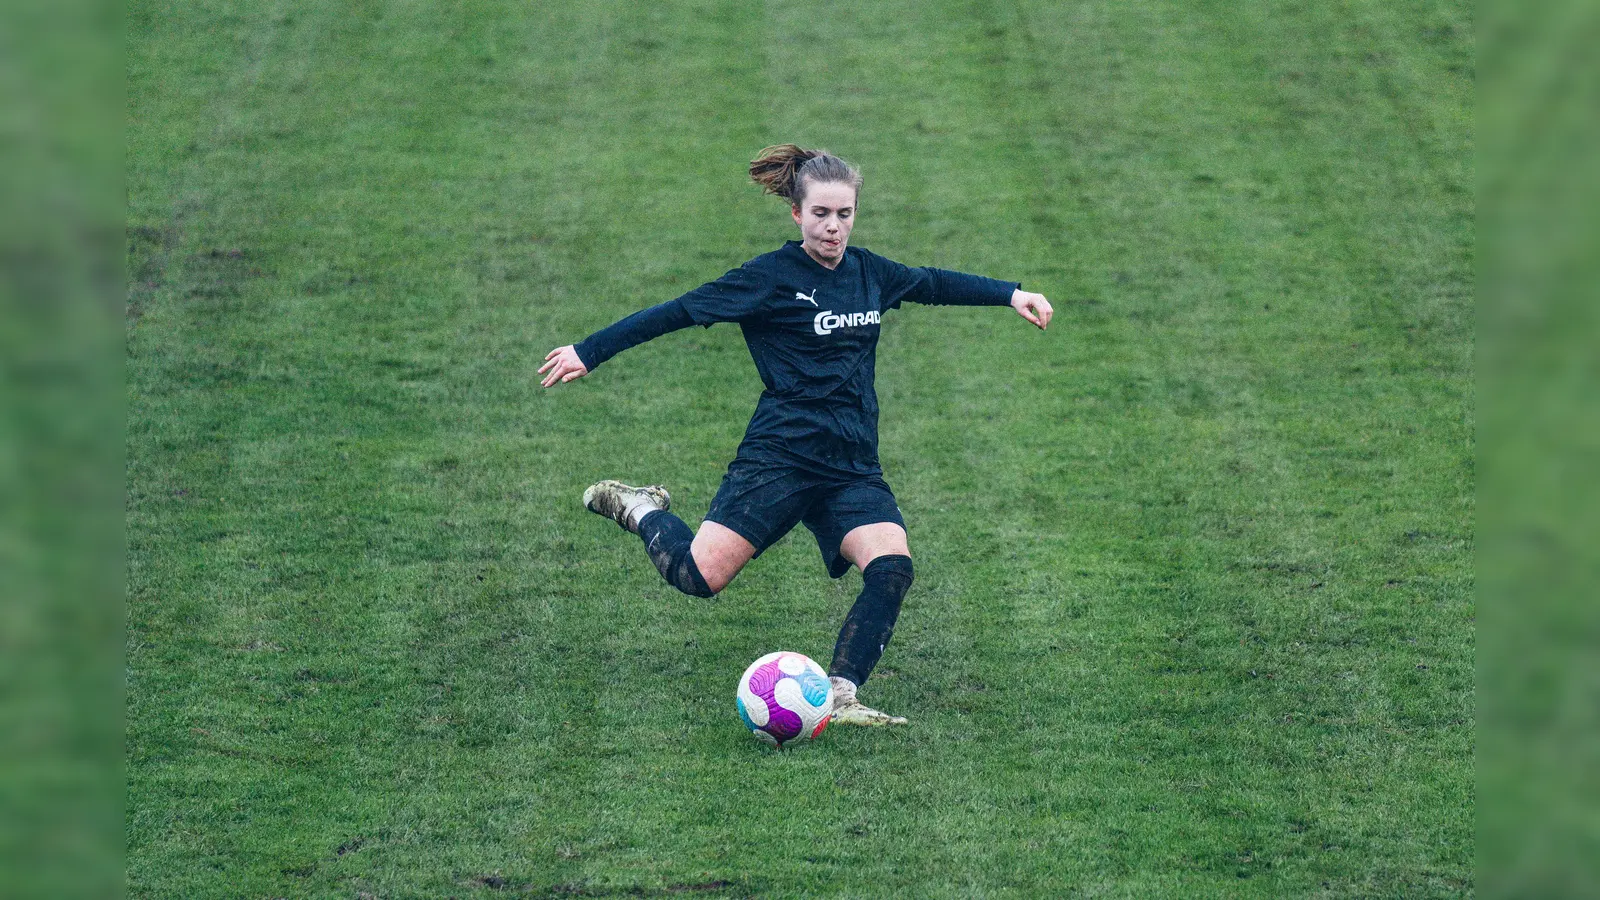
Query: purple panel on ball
[(764, 679), (782, 724)]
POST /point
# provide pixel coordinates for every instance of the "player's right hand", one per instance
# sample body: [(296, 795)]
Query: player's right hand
[(563, 365)]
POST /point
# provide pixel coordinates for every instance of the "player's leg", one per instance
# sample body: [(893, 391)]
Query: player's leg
[(719, 553), (668, 540), (701, 564), (753, 508), (883, 555), (860, 524), (866, 543)]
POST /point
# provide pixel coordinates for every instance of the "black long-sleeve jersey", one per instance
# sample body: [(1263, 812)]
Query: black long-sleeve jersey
[(813, 334)]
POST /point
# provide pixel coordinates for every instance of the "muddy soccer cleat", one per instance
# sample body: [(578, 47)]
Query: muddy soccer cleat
[(847, 710), (623, 504), (854, 713)]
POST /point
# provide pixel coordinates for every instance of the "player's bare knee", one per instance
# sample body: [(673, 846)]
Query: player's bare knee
[(716, 573), (719, 554)]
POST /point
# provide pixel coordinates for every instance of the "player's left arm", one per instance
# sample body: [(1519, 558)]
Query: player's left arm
[(942, 287), (1033, 307)]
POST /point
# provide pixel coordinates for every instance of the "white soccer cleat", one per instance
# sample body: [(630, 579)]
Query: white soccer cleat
[(854, 713), (625, 504), (847, 710)]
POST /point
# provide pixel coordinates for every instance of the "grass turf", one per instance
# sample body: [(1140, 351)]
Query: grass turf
[(1194, 608)]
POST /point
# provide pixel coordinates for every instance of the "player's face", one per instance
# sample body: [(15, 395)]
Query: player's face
[(825, 217)]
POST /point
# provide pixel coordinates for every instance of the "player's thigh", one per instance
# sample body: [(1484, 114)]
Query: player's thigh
[(719, 553), (865, 543)]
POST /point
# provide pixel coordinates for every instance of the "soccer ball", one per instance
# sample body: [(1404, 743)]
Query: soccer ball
[(785, 698)]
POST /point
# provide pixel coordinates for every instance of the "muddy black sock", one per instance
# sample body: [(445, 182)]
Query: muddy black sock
[(667, 540), (870, 624)]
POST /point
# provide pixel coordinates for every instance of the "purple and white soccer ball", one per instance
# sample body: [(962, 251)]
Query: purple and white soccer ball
[(785, 698)]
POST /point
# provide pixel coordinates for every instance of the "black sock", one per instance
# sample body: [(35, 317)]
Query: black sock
[(870, 624), (667, 540)]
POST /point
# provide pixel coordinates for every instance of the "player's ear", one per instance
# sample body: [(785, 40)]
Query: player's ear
[(794, 213)]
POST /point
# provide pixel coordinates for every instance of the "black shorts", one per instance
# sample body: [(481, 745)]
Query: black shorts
[(761, 502)]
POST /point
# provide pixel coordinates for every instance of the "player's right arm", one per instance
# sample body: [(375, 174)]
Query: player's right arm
[(564, 364), (737, 296)]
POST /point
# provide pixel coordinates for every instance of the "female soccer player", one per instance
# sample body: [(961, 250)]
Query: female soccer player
[(810, 312)]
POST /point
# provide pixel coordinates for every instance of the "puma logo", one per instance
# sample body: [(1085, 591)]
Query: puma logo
[(811, 299)]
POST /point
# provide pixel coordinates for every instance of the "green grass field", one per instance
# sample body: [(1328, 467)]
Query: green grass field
[(1194, 613)]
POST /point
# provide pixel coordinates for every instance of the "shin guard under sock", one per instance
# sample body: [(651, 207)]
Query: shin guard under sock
[(667, 540), (870, 624)]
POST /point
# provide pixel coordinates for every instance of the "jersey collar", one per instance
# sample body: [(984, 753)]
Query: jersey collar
[(798, 250)]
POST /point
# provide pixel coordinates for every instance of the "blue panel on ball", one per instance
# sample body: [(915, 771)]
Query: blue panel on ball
[(744, 715), (814, 687)]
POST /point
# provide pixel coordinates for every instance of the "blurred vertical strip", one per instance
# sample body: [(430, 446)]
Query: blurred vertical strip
[(1539, 424), (61, 428)]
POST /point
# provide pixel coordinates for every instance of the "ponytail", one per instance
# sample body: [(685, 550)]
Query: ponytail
[(786, 170)]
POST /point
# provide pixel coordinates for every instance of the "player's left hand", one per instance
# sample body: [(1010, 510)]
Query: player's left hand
[(1033, 307)]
